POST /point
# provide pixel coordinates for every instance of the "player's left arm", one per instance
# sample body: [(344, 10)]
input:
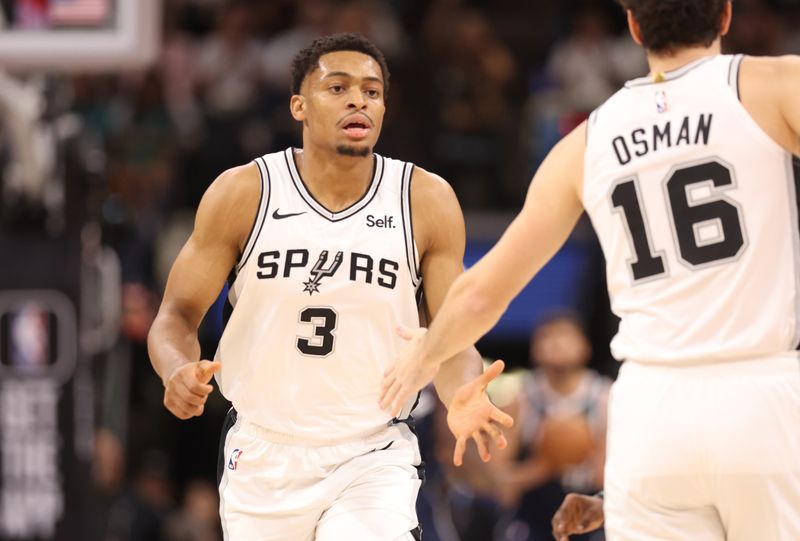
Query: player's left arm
[(478, 298), (460, 381)]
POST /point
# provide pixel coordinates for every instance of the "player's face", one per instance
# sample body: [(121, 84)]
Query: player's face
[(560, 345), (341, 103)]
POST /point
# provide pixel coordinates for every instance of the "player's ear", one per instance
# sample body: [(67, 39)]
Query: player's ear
[(297, 105), (727, 15), (633, 27)]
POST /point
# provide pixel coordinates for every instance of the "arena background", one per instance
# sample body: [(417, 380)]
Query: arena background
[(115, 115)]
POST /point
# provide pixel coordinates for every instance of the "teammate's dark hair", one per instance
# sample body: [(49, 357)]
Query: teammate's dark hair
[(667, 25), (307, 60)]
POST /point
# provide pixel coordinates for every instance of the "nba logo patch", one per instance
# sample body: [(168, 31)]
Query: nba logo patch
[(233, 461), (661, 101)]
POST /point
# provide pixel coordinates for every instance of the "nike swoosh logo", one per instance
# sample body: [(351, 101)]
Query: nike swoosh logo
[(279, 216)]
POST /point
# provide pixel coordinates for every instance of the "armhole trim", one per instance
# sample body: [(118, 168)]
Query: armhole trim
[(408, 226), (261, 214), (733, 74)]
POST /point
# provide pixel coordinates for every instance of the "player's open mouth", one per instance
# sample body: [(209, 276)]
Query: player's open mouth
[(356, 128)]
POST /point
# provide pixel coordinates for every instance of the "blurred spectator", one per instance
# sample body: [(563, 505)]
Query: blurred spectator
[(590, 64), (472, 123), (228, 81), (561, 424), (312, 18), (756, 30), (376, 20), (227, 66), (198, 517), (141, 511)]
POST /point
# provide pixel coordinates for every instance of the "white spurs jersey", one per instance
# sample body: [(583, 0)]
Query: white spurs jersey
[(695, 207), (316, 299)]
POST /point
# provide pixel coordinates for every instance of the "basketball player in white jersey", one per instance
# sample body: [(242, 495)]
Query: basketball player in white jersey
[(689, 177), (329, 248)]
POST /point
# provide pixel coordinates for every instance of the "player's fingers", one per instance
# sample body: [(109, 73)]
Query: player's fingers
[(458, 453), (483, 449), (206, 369), (406, 333), (388, 395), (182, 396), (495, 435), (502, 418), (176, 408), (490, 373), (399, 399), (196, 388)]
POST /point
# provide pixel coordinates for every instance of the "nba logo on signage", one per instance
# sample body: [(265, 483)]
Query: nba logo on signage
[(234, 460), (661, 102)]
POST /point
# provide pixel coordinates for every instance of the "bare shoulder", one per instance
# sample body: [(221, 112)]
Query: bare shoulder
[(771, 65), (770, 74), (768, 89), (229, 206), (435, 209)]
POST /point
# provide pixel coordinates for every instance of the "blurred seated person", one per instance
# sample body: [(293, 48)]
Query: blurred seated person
[(558, 442)]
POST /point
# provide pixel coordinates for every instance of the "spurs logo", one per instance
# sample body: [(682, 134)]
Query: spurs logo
[(319, 271)]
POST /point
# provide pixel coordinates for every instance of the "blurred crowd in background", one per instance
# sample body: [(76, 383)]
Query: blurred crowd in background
[(481, 90)]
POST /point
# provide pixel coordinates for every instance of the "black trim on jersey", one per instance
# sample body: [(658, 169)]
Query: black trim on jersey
[(361, 203), (230, 420), (416, 533), (408, 231), (266, 186), (796, 175), (227, 308), (411, 423), (733, 74), (669, 75), (412, 245)]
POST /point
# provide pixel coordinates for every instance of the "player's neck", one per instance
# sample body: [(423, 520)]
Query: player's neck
[(335, 180), (660, 64)]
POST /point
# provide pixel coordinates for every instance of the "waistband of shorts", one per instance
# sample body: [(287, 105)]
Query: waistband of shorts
[(304, 441), (782, 362)]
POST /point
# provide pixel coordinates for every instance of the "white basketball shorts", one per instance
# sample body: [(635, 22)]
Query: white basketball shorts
[(276, 488), (705, 453)]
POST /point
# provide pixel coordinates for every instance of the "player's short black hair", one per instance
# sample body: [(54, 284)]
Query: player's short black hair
[(667, 25), (307, 60)]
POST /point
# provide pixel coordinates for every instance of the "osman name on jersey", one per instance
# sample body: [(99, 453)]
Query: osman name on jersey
[(692, 130)]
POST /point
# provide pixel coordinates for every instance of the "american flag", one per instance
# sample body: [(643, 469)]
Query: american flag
[(79, 12)]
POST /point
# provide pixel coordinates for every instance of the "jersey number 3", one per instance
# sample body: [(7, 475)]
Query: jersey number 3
[(707, 228), (322, 340)]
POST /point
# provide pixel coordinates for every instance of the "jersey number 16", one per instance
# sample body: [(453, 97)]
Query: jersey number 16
[(687, 219)]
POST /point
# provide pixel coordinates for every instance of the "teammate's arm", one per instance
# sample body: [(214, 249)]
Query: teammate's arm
[(478, 297), (460, 382), (222, 224)]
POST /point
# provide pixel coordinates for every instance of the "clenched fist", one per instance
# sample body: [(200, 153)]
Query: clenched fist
[(187, 388)]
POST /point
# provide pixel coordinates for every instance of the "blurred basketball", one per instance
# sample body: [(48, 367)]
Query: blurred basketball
[(564, 441)]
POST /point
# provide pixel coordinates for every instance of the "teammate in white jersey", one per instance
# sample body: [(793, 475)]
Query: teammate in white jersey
[(689, 177), (330, 248)]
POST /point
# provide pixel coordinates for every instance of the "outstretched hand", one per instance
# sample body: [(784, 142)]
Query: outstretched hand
[(578, 514), (187, 388), (409, 373), (472, 415)]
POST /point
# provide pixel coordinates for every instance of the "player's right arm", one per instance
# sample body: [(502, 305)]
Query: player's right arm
[(222, 225), (477, 299)]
